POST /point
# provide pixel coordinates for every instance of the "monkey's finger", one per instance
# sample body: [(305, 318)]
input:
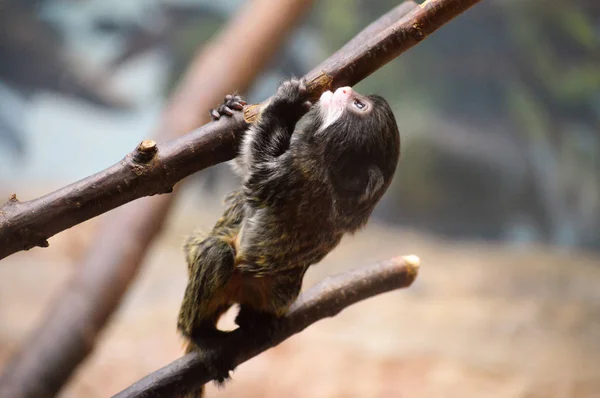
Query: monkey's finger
[(307, 104), (214, 114), (237, 105), (236, 98), (226, 110), (302, 86)]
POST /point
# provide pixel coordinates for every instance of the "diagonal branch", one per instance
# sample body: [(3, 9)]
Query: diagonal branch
[(24, 225), (326, 299)]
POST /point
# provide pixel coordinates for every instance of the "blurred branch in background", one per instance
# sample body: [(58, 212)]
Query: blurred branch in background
[(68, 333), (326, 299), (71, 325)]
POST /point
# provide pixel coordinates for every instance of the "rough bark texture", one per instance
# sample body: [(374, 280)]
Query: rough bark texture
[(326, 299)]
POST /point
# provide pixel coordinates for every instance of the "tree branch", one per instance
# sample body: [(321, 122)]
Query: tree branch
[(24, 225), (326, 299)]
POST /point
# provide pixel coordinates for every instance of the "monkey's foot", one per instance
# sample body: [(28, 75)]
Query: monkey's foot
[(259, 325), (232, 102), (220, 363), (218, 357)]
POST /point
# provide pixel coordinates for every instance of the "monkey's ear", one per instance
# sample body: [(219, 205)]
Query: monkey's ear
[(375, 182)]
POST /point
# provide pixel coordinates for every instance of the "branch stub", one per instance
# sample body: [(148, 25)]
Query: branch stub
[(145, 151)]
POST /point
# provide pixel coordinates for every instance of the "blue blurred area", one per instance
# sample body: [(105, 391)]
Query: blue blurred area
[(499, 110)]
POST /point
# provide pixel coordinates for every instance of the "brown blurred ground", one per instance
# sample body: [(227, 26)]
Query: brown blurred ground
[(481, 321)]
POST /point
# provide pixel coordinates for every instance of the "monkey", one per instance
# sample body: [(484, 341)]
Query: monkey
[(310, 174)]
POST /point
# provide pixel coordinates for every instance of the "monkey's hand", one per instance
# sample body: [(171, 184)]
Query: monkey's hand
[(231, 103), (291, 101)]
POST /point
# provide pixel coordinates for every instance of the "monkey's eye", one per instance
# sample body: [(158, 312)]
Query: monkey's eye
[(358, 104)]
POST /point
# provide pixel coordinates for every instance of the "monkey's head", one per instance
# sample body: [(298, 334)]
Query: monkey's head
[(357, 138)]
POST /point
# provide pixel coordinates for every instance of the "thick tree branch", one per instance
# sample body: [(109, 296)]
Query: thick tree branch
[(24, 225), (326, 299)]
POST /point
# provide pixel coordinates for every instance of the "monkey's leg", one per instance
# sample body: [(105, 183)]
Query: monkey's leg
[(258, 324), (211, 266), (263, 323)]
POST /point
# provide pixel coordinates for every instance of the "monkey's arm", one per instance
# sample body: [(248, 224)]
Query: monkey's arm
[(266, 161), (270, 136)]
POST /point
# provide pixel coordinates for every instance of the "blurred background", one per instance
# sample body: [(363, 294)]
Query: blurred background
[(498, 191)]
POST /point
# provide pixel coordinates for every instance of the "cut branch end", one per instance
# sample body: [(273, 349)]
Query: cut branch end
[(145, 150)]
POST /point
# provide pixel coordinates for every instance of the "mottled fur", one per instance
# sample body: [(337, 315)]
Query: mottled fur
[(304, 187)]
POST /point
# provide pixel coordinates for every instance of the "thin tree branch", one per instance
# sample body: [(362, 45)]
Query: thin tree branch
[(24, 225), (326, 299)]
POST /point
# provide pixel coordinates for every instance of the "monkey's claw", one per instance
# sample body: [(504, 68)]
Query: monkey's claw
[(231, 103)]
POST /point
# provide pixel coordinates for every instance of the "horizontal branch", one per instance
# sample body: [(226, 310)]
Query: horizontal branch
[(326, 299), (155, 168)]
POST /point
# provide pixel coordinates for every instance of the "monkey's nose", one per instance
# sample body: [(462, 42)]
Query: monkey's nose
[(345, 90), (343, 93)]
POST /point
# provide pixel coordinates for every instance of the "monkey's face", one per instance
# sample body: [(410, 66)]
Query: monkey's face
[(334, 104), (357, 138), (356, 126)]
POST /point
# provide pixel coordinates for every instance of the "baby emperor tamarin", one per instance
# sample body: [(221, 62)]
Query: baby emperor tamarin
[(306, 182)]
